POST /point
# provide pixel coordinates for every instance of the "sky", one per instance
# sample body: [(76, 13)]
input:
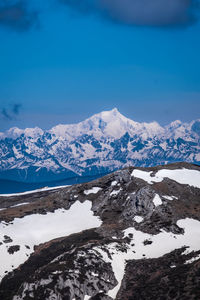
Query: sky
[(62, 61)]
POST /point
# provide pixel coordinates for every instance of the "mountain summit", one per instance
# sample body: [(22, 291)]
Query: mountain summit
[(104, 124), (102, 143), (107, 124)]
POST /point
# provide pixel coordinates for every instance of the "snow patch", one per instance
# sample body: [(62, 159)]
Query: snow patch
[(156, 200), (94, 190), (182, 176), (164, 242), (114, 183), (146, 176), (42, 228), (138, 219), (115, 192), (189, 261), (168, 197)]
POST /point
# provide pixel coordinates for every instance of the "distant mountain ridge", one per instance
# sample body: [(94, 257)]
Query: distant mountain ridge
[(103, 143)]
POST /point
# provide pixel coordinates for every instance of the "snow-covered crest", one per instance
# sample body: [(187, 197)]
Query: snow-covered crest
[(107, 123)]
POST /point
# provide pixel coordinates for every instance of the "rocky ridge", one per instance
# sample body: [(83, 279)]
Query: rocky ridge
[(149, 223)]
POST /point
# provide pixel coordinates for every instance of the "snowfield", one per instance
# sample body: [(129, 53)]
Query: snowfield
[(36, 229), (182, 176)]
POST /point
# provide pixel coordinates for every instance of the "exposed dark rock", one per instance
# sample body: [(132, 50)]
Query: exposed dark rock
[(7, 239), (147, 242), (13, 249)]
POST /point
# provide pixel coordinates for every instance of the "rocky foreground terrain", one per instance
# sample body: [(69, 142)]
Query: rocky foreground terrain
[(133, 234)]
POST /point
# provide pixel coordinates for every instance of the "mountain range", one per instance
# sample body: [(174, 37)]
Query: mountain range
[(101, 144)]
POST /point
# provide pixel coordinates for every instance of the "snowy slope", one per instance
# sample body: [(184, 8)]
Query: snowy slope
[(42, 228), (100, 144)]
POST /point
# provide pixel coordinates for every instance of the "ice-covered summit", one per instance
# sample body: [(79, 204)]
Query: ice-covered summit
[(107, 124)]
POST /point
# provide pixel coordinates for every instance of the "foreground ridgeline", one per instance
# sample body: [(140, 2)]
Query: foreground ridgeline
[(130, 235), (101, 144)]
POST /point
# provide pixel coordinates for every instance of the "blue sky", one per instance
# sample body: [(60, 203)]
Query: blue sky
[(70, 65)]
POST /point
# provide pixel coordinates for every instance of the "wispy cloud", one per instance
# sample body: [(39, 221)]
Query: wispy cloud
[(10, 113), (141, 12), (16, 108), (15, 14), (6, 114)]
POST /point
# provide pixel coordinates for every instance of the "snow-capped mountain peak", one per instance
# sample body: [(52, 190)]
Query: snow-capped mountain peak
[(111, 123), (104, 124), (111, 116)]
